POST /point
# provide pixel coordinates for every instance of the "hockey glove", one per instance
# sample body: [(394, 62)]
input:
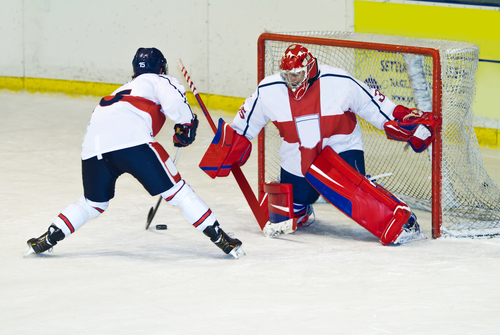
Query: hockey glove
[(227, 148), (185, 133), (412, 126)]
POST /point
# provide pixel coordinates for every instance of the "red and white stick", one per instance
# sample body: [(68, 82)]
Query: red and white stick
[(196, 95)]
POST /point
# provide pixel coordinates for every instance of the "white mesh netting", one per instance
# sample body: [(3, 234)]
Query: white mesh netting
[(470, 199)]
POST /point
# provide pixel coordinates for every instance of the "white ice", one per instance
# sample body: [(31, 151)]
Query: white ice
[(114, 277)]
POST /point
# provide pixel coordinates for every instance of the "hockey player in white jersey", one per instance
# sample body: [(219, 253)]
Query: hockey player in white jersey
[(120, 139), (315, 107)]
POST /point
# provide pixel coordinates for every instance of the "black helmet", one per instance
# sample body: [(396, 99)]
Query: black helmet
[(149, 60)]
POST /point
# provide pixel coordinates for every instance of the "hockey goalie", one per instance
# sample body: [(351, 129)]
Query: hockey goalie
[(315, 108)]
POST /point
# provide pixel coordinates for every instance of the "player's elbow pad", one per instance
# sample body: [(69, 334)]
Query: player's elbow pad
[(227, 148)]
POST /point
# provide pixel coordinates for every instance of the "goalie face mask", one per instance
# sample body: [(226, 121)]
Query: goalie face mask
[(298, 69), (149, 60)]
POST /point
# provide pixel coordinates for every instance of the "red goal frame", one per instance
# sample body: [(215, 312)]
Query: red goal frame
[(437, 153)]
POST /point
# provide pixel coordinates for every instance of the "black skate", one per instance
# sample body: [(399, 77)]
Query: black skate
[(44, 242), (231, 246), (411, 231)]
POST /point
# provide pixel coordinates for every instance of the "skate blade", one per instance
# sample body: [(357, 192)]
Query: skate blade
[(29, 251), (237, 252), (407, 238), (280, 228)]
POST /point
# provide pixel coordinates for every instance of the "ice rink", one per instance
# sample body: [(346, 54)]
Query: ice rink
[(114, 277)]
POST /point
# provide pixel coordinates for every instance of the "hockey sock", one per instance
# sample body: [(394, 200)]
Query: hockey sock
[(193, 208), (76, 214)]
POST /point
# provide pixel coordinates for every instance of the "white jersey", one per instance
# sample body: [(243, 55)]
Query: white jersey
[(325, 116), (135, 113)]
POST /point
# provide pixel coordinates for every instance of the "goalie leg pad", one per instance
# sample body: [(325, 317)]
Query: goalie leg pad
[(367, 203), (277, 203), (280, 201), (227, 148)]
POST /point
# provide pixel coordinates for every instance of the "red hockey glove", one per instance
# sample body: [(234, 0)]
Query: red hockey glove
[(227, 148), (185, 133), (401, 112), (412, 126)]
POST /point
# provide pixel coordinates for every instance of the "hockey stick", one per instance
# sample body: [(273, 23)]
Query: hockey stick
[(235, 168), (152, 210), (269, 229)]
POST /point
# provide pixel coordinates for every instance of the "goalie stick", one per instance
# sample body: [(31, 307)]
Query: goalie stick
[(152, 210), (245, 187)]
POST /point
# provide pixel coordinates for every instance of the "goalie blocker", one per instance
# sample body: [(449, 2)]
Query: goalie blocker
[(367, 203), (227, 148)]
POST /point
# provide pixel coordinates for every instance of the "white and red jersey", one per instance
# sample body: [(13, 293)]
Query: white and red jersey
[(325, 116), (135, 113)]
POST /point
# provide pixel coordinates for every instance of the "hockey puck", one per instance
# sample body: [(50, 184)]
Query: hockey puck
[(161, 227)]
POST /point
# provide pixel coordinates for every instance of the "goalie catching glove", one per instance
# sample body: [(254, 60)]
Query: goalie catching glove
[(412, 126), (185, 133), (227, 148)]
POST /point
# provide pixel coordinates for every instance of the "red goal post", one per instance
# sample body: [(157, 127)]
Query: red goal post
[(410, 72)]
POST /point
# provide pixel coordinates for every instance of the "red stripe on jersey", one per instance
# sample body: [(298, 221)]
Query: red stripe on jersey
[(342, 124), (309, 104), (288, 131), (203, 218), (162, 153), (145, 105), (148, 106), (66, 221), (330, 125)]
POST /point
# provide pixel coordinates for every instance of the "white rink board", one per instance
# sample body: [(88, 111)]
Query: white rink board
[(114, 277), (95, 41)]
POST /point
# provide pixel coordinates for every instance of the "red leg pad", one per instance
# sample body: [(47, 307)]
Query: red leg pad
[(278, 199), (367, 203)]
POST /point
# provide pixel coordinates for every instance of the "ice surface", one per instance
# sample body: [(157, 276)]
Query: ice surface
[(113, 277)]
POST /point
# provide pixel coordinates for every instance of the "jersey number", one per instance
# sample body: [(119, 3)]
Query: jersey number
[(380, 96), (116, 98)]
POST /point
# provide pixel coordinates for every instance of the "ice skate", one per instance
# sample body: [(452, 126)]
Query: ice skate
[(44, 242), (231, 246), (411, 232)]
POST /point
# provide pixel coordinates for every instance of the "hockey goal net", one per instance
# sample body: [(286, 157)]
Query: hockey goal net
[(449, 178)]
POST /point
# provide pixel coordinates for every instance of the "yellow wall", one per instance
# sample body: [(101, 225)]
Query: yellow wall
[(82, 88), (477, 26), (439, 21)]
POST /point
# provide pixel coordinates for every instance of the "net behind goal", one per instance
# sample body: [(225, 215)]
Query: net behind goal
[(449, 178)]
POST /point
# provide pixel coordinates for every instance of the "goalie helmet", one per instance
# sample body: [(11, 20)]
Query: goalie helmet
[(149, 60), (299, 69)]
